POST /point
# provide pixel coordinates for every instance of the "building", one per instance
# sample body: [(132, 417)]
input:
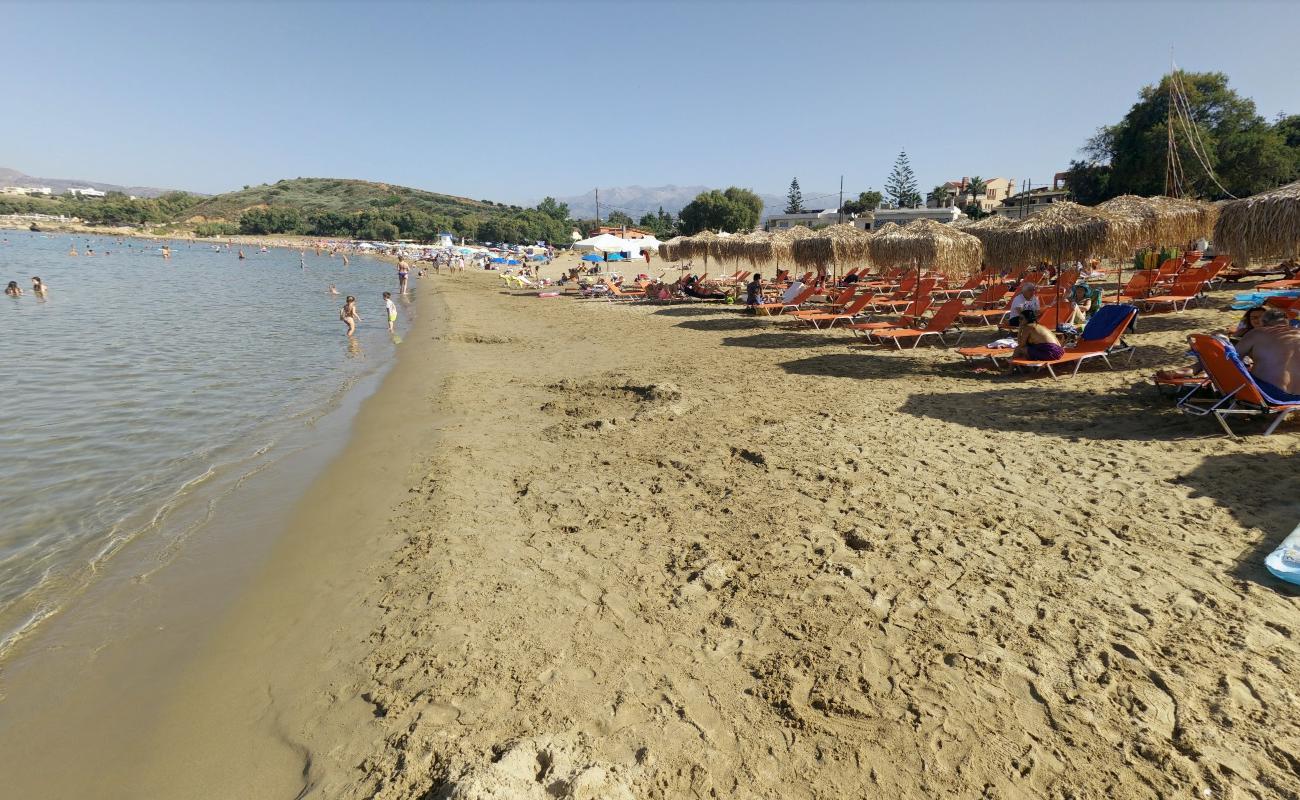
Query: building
[(85, 192), (901, 216), (623, 232), (25, 190), (1026, 204), (814, 218), (996, 190)]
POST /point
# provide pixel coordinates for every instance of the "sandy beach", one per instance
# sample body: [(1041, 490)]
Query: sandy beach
[(580, 549)]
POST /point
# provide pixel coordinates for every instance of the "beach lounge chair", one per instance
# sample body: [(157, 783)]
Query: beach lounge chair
[(778, 306), (1241, 394), (1184, 291), (911, 316), (969, 289), (1138, 286), (833, 304), (1102, 338), (943, 322), (827, 319)]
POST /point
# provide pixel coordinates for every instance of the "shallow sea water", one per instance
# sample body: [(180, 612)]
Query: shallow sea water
[(143, 391)]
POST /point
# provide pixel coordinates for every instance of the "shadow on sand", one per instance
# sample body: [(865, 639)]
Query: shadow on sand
[(700, 310), (1261, 490), (782, 339)]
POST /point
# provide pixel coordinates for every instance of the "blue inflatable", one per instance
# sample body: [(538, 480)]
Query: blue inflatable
[(1284, 562)]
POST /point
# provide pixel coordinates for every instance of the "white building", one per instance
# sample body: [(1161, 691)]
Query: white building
[(85, 192), (25, 190), (902, 216), (815, 218)]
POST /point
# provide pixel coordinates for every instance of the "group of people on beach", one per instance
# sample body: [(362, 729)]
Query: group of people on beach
[(350, 316), (38, 288)]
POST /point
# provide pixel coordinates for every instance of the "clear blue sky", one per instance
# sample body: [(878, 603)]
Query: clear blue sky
[(512, 101)]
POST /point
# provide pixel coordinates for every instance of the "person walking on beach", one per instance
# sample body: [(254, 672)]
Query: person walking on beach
[(349, 314), (391, 308), (403, 272)]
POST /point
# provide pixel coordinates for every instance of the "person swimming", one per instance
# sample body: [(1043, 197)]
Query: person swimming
[(332, 290), (13, 289), (241, 255), (38, 287)]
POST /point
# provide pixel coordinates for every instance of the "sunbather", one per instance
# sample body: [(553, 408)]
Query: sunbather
[(1035, 342), (754, 292), (1249, 321), (691, 288), (1274, 351)]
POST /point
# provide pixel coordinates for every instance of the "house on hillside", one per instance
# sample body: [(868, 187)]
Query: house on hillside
[(813, 218), (84, 192), (1026, 204), (996, 190)]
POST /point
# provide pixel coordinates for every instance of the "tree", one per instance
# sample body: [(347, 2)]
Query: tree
[(617, 218), (734, 210), (661, 224), (976, 186), (554, 208), (867, 201), (900, 187), (974, 211), (1088, 182), (794, 198), (940, 194), (1219, 127)]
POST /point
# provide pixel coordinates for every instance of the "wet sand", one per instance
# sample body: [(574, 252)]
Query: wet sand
[(581, 549)]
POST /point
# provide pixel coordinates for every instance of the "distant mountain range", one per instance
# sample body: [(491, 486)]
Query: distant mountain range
[(638, 200), (12, 177)]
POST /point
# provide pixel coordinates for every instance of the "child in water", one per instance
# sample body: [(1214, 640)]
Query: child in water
[(349, 314), (13, 289), (38, 287), (391, 308)]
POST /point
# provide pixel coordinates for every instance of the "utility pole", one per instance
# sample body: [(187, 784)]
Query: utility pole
[(841, 207), (597, 206)]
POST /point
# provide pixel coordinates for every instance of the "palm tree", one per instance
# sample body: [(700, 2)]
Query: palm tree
[(976, 187), (940, 194)]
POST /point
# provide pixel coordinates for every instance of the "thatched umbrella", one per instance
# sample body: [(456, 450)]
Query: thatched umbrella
[(700, 245), (831, 247), (1061, 232), (1165, 220), (927, 243), (671, 249), (776, 250), (742, 247), (1260, 226)]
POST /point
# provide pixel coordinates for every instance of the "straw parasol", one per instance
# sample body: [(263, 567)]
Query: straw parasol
[(671, 249), (1262, 226), (742, 247), (833, 246), (1061, 232), (776, 250), (927, 243), (1166, 220)]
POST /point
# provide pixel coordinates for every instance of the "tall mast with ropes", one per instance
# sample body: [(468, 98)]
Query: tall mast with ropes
[(1180, 111)]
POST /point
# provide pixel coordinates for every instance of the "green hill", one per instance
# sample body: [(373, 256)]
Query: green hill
[(328, 207), (325, 195)]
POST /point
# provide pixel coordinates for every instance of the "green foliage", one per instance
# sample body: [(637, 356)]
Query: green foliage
[(733, 210), (901, 186), (939, 194), (553, 208), (260, 221), (794, 198), (1246, 153), (661, 224), (216, 229), (1089, 183), (869, 200), (974, 211), (977, 186), (616, 218)]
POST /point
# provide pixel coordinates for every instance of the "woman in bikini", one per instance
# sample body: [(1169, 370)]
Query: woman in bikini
[(1035, 342)]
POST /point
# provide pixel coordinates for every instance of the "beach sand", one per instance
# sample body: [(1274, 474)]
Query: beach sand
[(579, 549)]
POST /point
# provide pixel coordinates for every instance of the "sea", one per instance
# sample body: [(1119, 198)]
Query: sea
[(142, 392)]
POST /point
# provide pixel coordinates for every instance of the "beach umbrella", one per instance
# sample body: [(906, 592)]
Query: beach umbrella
[(742, 247), (776, 249), (927, 243), (1166, 220), (592, 257), (671, 249), (1261, 226), (831, 247)]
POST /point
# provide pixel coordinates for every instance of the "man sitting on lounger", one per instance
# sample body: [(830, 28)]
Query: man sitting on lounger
[(1023, 301), (1274, 352)]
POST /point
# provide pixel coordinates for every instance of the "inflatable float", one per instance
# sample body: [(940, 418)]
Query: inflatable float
[(1284, 562)]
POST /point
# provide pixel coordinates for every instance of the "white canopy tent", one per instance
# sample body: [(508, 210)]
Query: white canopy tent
[(609, 243)]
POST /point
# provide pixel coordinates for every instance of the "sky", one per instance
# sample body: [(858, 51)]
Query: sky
[(512, 101)]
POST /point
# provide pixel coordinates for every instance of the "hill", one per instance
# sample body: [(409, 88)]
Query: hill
[(311, 196), (13, 177)]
